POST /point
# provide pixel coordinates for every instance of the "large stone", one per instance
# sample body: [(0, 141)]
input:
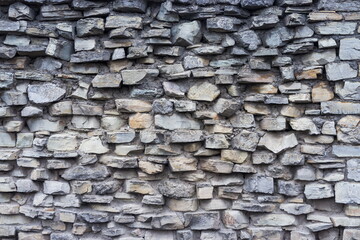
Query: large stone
[(137, 186), (234, 219), (130, 6), (348, 90), (45, 93), (337, 107), (90, 27), (203, 91), (187, 33), (336, 28), (319, 58), (353, 169), (176, 121), (347, 192), (119, 162), (304, 124), (348, 129), (259, 184), (123, 21), (56, 188), (40, 124), (107, 80), (183, 164), (274, 219), (62, 142), (318, 191), (96, 172), (175, 188), (202, 221), (339, 5), (215, 165), (132, 105), (93, 145), (248, 39), (340, 71), (348, 49), (246, 141), (60, 48), (277, 142)]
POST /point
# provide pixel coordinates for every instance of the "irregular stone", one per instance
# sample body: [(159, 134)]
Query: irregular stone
[(137, 186), (273, 124), (183, 204), (216, 141), (183, 164), (348, 129), (348, 90), (185, 34), (90, 56), (204, 91), (123, 21), (321, 92), (337, 107), (176, 121), (259, 184), (107, 80), (186, 136), (216, 166), (319, 58), (336, 28), (248, 39), (222, 24), (278, 37), (304, 124), (93, 145), (119, 162), (133, 77), (348, 49), (234, 156), (62, 142), (274, 219), (59, 48), (347, 192), (130, 6), (175, 188), (202, 221), (56, 188), (290, 188), (39, 124), (340, 71), (296, 208), (90, 27), (45, 93), (318, 191), (96, 172), (253, 4), (277, 142), (246, 141)]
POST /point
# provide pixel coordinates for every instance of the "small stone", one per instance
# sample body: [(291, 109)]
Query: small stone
[(234, 156), (216, 141), (318, 191), (97, 172), (263, 157), (273, 124), (90, 27), (242, 120), (185, 34), (304, 124), (59, 48), (290, 188), (123, 21), (183, 204), (348, 49), (226, 107)]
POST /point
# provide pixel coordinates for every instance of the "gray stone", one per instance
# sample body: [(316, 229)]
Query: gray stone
[(255, 4), (45, 93), (337, 107), (347, 192), (185, 34), (90, 56), (130, 6), (202, 221), (7, 52), (175, 188), (222, 24), (186, 136), (7, 26), (86, 173), (94, 217), (353, 169), (60, 48), (246, 141), (248, 39), (336, 28), (348, 90), (108, 80), (176, 121), (277, 142), (319, 58), (20, 11), (123, 21), (39, 124), (162, 106), (290, 188), (226, 107), (348, 49), (318, 191), (6, 80), (216, 141), (348, 129), (56, 188), (340, 71), (259, 184), (274, 219), (339, 5), (242, 120), (264, 21), (278, 37)]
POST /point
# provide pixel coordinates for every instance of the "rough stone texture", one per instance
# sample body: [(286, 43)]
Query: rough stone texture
[(179, 120)]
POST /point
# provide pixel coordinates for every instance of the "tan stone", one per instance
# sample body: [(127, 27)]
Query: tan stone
[(235, 156), (138, 186), (322, 92), (264, 89), (309, 74), (183, 204), (140, 121), (183, 164), (258, 109), (292, 111), (132, 105), (150, 167), (204, 91), (324, 16)]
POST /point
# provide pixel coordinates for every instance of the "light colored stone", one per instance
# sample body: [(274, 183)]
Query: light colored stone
[(108, 80), (278, 142), (56, 188), (321, 92), (318, 191), (274, 219), (140, 121), (183, 164), (347, 192), (62, 142), (93, 145), (304, 124), (337, 107), (348, 90), (340, 71), (176, 121), (348, 49), (45, 93), (132, 105), (204, 91)]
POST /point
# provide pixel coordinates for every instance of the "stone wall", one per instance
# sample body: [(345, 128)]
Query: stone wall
[(179, 119)]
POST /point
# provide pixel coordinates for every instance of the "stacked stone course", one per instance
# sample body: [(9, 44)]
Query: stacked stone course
[(179, 119)]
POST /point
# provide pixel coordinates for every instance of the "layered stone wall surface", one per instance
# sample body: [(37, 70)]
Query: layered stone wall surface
[(179, 119)]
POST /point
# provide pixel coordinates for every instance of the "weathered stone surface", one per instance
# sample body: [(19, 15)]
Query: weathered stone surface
[(185, 34), (176, 189), (337, 107), (338, 28), (248, 39), (246, 141), (204, 91), (318, 191), (107, 81), (45, 93), (176, 121), (259, 184), (278, 142), (348, 90), (275, 219), (340, 71), (56, 188), (132, 105), (253, 4), (62, 142), (202, 221), (86, 173), (348, 49), (347, 192), (90, 27)]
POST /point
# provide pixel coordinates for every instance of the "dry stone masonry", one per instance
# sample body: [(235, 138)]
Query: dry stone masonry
[(179, 119)]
